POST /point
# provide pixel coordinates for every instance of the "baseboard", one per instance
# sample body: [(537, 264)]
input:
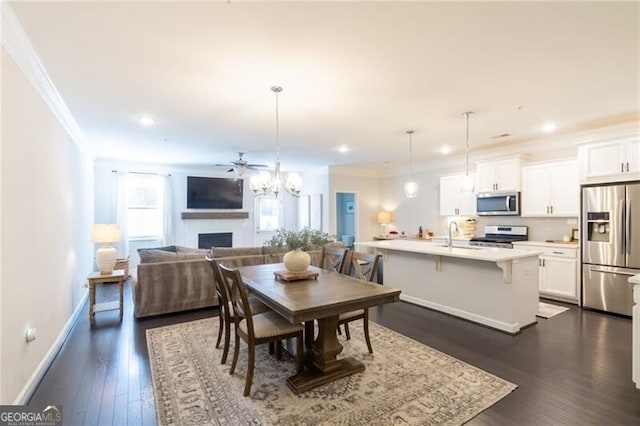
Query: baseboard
[(489, 322), (25, 394)]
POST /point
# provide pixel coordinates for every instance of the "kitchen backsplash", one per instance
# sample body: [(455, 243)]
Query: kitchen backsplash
[(540, 229)]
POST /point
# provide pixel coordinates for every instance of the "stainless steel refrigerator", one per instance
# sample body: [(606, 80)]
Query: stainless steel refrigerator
[(610, 246)]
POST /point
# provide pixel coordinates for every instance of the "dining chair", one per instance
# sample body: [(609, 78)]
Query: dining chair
[(334, 258), (362, 266), (225, 310), (257, 329)]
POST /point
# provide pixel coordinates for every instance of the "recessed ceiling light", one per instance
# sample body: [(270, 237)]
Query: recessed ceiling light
[(343, 149), (445, 150), (549, 127), (146, 121)]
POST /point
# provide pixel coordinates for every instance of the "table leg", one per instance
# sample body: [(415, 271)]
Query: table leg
[(92, 302), (321, 363), (121, 290)]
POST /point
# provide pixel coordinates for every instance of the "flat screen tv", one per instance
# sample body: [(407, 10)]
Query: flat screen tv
[(214, 193)]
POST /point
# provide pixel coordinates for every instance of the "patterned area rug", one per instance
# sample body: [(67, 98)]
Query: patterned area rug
[(405, 382), (547, 310)]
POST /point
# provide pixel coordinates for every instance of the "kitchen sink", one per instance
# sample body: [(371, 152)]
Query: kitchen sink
[(462, 247)]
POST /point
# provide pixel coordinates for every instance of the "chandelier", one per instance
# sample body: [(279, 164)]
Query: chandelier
[(411, 186), (265, 183)]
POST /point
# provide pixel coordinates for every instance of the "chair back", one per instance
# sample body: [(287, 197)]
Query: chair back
[(333, 258), (238, 296), (363, 265), (221, 289)]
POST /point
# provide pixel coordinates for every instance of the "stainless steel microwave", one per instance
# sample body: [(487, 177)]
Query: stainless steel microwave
[(498, 204)]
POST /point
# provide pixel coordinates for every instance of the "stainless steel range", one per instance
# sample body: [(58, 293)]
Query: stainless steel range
[(501, 236)]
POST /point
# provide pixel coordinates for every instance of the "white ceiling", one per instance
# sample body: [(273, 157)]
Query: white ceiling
[(354, 74)]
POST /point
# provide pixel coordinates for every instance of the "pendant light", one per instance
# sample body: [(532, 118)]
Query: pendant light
[(266, 183), (411, 186), (468, 183)]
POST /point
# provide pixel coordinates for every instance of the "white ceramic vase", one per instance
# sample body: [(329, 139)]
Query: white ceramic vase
[(296, 260)]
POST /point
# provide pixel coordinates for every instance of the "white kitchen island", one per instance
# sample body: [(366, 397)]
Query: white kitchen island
[(496, 287)]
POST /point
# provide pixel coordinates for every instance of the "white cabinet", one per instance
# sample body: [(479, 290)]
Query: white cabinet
[(557, 269), (502, 175), (609, 161), (454, 202), (550, 189)]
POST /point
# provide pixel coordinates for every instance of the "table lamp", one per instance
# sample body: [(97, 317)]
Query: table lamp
[(384, 218), (106, 233)]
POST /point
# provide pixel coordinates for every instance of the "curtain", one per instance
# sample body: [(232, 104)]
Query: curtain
[(167, 214), (121, 205)]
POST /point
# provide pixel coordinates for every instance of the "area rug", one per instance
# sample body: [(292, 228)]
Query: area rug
[(547, 310), (405, 382)]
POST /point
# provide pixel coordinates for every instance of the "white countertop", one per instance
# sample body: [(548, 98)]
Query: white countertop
[(572, 245), (488, 254)]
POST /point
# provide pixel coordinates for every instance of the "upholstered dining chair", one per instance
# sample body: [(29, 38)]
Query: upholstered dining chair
[(225, 309), (362, 266), (256, 329), (334, 258)]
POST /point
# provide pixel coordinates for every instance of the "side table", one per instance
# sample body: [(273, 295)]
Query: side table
[(117, 276)]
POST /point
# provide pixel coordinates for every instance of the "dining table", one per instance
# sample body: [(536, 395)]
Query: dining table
[(320, 299)]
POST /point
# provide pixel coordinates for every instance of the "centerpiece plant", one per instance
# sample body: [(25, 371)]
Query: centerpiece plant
[(297, 242)]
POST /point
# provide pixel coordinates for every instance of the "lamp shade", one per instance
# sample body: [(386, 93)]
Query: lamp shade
[(384, 217), (105, 233)]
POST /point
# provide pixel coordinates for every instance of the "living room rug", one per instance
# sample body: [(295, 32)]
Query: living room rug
[(547, 310), (404, 382)]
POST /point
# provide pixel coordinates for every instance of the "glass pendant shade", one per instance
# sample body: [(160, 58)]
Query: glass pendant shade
[(411, 186), (411, 189), (468, 185)]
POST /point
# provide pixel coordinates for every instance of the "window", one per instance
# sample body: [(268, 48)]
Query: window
[(144, 206), (268, 213)]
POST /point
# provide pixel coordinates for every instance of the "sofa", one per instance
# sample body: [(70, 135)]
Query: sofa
[(175, 278)]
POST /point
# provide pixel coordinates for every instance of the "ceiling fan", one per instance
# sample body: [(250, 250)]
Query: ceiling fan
[(240, 165)]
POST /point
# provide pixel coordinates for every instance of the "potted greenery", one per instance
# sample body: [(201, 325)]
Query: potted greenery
[(297, 259)]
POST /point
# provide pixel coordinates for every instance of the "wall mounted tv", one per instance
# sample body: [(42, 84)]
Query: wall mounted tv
[(214, 193)]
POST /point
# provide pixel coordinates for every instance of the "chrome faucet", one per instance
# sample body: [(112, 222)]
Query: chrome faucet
[(455, 225)]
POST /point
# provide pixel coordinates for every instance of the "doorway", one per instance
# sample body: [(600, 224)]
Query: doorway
[(346, 208)]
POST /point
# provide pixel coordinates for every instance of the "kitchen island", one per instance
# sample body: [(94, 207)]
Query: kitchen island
[(496, 287)]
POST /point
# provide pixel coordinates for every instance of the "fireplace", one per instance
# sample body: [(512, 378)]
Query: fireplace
[(215, 239)]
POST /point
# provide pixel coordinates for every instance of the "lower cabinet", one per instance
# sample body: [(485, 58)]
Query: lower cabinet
[(557, 270)]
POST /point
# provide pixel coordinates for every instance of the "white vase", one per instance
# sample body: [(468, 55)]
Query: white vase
[(296, 260)]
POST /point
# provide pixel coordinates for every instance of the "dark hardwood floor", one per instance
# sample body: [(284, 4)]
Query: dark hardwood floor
[(572, 369)]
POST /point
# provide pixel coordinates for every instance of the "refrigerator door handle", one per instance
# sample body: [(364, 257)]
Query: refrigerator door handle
[(622, 226), (627, 234), (593, 269)]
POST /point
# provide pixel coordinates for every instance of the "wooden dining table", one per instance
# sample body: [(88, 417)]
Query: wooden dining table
[(321, 299)]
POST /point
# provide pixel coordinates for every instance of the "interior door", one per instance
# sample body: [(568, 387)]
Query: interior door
[(345, 217)]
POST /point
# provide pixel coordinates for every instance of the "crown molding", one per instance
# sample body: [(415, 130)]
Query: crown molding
[(18, 46)]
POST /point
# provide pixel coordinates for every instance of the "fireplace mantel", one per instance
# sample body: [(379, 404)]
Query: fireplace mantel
[(215, 215)]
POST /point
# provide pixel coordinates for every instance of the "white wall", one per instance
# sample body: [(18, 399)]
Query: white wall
[(186, 231), (47, 213), (317, 183), (367, 195)]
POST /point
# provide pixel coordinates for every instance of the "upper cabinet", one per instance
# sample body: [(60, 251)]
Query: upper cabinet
[(550, 189), (502, 175), (610, 161), (454, 202)]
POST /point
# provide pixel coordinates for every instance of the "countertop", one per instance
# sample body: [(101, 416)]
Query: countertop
[(570, 244), (488, 254)]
